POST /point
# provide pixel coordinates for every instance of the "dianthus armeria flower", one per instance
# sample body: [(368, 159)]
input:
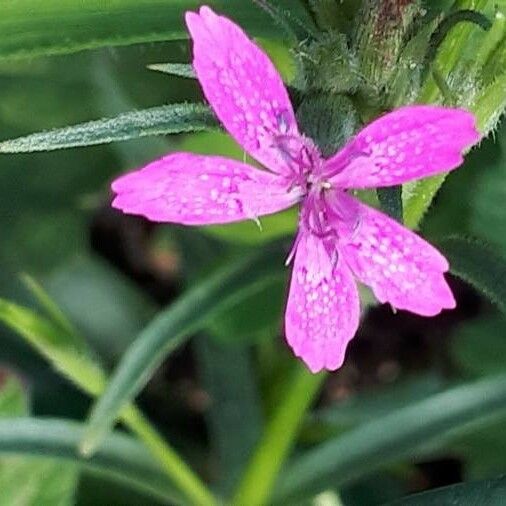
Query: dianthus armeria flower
[(339, 239)]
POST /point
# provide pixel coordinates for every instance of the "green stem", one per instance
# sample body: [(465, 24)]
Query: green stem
[(262, 471), (446, 92), (450, 51), (179, 472), (490, 41)]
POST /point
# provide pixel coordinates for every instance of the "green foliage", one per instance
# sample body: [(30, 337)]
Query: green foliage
[(235, 417), (27, 481), (173, 327), (479, 346), (236, 377), (390, 200), (329, 120), (487, 493), (174, 69), (459, 71), (104, 305), (399, 434), (166, 119), (28, 27), (373, 404), (120, 458), (479, 265), (67, 352)]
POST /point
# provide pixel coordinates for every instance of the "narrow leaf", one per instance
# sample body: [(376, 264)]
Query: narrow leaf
[(484, 493), (50, 306), (174, 69), (24, 480), (447, 24), (162, 120), (65, 351), (389, 438), (120, 458), (234, 417), (171, 328), (390, 200), (77, 364), (490, 104), (293, 27), (27, 27), (479, 265)]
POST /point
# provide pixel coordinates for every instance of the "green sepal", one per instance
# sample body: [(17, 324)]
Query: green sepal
[(330, 120)]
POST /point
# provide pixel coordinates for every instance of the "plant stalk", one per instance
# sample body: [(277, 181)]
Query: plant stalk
[(260, 476), (178, 471)]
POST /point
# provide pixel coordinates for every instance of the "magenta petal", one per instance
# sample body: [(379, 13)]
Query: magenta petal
[(199, 190), (409, 143), (399, 266), (242, 85), (323, 308)]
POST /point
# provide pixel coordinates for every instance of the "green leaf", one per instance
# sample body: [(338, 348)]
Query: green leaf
[(479, 346), (490, 103), (66, 352), (373, 404), (77, 364), (253, 318), (257, 483), (483, 493), (487, 104), (457, 36), (334, 16), (113, 97), (392, 437), (25, 481), (48, 304), (446, 25), (13, 399), (390, 200), (36, 482), (278, 53), (479, 265), (120, 458), (174, 69), (482, 450), (103, 304), (162, 120), (171, 328), (491, 42), (234, 417), (27, 27)]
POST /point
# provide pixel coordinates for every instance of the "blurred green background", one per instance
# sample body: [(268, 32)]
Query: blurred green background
[(110, 274)]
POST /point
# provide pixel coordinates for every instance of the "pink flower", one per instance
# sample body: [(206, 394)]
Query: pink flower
[(339, 239)]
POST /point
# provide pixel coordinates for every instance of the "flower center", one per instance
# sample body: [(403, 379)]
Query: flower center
[(327, 212)]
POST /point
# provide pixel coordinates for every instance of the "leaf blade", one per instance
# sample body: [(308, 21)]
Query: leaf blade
[(375, 444), (152, 346), (162, 120), (479, 265), (27, 27), (120, 458), (174, 69), (234, 418), (489, 492)]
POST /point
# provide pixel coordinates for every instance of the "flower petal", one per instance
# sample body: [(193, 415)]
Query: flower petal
[(399, 266), (323, 308), (409, 143), (243, 87), (199, 190)]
